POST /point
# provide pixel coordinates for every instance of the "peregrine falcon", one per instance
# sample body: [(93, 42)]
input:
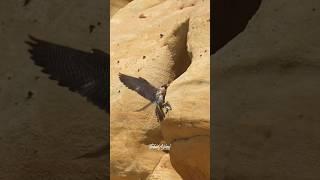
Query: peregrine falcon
[(149, 92), (161, 102)]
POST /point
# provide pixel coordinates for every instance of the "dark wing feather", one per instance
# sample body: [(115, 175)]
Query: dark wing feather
[(140, 85), (82, 72)]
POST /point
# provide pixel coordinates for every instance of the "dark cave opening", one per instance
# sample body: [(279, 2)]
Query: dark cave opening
[(230, 17)]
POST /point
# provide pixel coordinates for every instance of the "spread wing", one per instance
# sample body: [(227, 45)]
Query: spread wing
[(82, 72), (140, 85)]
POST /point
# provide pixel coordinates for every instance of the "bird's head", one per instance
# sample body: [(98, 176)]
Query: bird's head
[(165, 86)]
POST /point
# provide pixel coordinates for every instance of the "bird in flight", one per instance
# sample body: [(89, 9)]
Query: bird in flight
[(82, 72), (149, 92)]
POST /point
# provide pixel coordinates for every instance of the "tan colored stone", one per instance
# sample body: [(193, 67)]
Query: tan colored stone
[(191, 157), (266, 89), (187, 127), (42, 136), (115, 5), (164, 170), (160, 48)]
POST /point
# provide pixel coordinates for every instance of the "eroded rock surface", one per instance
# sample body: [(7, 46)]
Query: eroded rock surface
[(45, 127), (266, 88), (170, 43), (164, 170), (115, 5)]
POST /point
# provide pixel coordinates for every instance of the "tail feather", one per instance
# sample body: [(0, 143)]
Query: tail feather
[(144, 107), (159, 113)]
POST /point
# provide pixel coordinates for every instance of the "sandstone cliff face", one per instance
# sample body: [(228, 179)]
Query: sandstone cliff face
[(44, 127), (266, 114), (161, 41), (115, 5)]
